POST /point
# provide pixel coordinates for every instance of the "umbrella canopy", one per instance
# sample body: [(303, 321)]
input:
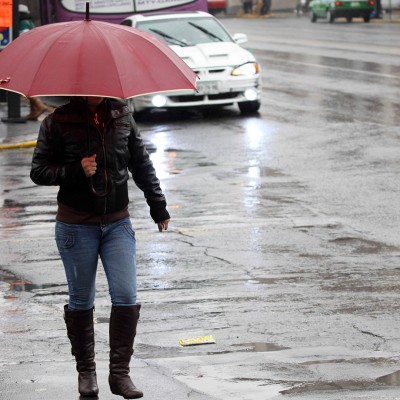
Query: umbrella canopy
[(91, 58)]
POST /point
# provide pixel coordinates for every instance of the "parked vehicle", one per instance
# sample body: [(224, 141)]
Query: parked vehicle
[(228, 74), (349, 9), (215, 6)]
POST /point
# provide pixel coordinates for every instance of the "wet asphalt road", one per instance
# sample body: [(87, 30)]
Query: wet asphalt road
[(284, 243)]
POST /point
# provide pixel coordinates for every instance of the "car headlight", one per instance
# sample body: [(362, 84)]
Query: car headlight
[(247, 69), (159, 100), (251, 94)]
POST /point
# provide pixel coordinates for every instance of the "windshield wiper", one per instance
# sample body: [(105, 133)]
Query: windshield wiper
[(166, 36), (206, 31)]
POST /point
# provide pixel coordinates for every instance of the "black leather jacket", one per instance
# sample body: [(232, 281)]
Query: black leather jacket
[(65, 137)]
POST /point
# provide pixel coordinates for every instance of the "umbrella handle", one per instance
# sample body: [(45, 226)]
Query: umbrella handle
[(95, 192), (90, 179)]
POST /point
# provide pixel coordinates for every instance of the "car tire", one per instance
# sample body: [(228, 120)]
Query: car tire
[(249, 107), (313, 16), (349, 19), (366, 18), (141, 115), (329, 17)]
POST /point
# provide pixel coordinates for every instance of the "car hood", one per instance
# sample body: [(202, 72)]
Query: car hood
[(213, 55)]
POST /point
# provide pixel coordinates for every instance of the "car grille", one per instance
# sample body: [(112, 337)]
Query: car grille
[(194, 98), (209, 71)]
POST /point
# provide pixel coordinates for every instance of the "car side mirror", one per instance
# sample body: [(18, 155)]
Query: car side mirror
[(240, 38)]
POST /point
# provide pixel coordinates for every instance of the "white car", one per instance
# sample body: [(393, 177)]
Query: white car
[(228, 73)]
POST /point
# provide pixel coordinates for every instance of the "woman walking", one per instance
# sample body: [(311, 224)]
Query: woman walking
[(87, 147)]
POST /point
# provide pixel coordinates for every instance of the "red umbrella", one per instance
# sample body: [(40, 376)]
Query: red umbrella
[(91, 58)]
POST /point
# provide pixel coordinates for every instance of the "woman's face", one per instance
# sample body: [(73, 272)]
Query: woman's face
[(94, 101)]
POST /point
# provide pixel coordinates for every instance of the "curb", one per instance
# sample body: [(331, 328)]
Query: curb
[(20, 145)]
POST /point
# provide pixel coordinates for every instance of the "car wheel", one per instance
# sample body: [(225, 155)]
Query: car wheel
[(313, 16), (249, 107), (329, 17), (349, 19), (141, 115), (366, 18)]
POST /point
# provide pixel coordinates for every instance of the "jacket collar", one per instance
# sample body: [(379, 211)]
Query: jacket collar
[(76, 110)]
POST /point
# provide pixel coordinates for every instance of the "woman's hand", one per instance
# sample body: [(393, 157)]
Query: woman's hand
[(163, 225), (89, 165)]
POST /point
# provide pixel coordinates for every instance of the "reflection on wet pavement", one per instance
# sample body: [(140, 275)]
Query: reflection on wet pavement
[(392, 379), (169, 161), (14, 284), (152, 351), (336, 104), (259, 347), (302, 62), (11, 284)]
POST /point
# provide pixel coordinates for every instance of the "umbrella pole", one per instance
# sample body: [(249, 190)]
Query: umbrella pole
[(90, 179), (87, 12), (87, 126)]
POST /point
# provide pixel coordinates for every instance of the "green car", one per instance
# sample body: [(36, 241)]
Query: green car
[(349, 9)]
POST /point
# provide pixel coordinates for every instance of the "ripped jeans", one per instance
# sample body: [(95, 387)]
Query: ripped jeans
[(80, 247)]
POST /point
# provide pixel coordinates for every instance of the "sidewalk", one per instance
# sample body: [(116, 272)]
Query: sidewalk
[(20, 134)]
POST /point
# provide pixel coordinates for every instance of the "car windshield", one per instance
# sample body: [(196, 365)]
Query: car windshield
[(187, 31)]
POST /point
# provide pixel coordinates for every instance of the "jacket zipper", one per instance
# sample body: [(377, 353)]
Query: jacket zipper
[(103, 145), (105, 168)]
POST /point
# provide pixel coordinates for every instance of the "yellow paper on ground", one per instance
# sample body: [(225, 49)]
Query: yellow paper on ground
[(209, 339)]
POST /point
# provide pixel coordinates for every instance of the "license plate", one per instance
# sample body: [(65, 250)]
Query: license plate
[(208, 87), (355, 4)]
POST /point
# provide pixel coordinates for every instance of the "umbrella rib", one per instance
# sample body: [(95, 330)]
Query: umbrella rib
[(57, 34), (149, 38), (110, 48)]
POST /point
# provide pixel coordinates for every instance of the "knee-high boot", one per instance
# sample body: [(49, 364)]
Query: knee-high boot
[(80, 331), (123, 322)]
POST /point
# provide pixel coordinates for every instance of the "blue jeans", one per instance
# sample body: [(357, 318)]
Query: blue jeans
[(80, 247)]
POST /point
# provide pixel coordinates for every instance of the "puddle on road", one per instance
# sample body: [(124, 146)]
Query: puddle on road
[(16, 284), (392, 379), (252, 347), (153, 351), (172, 161), (259, 347), (363, 246)]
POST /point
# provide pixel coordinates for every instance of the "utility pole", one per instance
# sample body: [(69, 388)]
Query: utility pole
[(14, 99)]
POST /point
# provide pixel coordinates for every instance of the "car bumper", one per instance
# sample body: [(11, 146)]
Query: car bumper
[(353, 13), (211, 93)]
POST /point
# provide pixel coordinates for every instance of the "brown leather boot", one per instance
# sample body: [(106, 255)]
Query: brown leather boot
[(80, 331), (123, 322)]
